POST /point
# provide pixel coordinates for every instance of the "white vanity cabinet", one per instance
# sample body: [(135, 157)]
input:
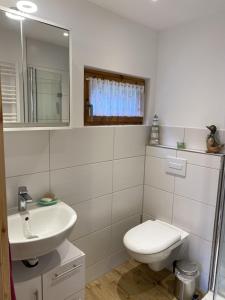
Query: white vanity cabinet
[(77, 296), (29, 290), (64, 280), (59, 275)]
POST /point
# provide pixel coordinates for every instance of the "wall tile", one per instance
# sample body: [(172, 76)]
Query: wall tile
[(156, 176), (146, 217), (199, 250), (92, 215), (204, 160), (194, 217), (195, 138), (37, 185), (105, 265), (160, 152), (128, 172), (130, 141), (97, 270), (76, 184), (80, 146), (200, 184), (158, 204), (96, 246), (119, 230), (26, 152), (169, 136), (127, 203)]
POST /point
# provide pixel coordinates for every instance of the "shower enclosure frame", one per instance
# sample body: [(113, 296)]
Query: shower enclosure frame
[(218, 230)]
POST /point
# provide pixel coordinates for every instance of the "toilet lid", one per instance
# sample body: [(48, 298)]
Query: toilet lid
[(151, 237)]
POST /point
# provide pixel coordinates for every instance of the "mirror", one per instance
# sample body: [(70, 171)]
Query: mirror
[(11, 66), (36, 89)]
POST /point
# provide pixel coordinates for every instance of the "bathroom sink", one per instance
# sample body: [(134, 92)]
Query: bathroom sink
[(39, 231)]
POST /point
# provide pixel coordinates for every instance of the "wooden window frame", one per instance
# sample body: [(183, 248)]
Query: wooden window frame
[(114, 120)]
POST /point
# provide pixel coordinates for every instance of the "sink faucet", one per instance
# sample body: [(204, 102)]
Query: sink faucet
[(23, 198)]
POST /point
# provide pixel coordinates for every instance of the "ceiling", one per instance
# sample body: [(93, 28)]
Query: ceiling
[(162, 14)]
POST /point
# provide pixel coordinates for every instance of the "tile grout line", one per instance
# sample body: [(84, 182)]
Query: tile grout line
[(175, 194), (95, 163), (174, 182), (105, 228), (112, 199), (50, 186), (143, 195)]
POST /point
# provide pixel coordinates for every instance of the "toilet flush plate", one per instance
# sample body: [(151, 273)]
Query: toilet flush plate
[(176, 166)]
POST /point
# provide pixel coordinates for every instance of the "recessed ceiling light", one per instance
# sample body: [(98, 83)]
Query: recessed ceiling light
[(14, 16), (154, 0), (65, 33), (27, 6)]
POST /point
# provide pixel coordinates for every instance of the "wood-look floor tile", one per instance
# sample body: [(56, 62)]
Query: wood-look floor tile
[(132, 281)]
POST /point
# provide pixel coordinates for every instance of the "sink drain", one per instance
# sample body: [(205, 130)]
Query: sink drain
[(30, 263)]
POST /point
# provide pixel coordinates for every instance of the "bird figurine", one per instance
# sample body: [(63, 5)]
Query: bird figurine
[(213, 146)]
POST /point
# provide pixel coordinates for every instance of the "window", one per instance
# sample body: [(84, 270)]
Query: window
[(112, 99)]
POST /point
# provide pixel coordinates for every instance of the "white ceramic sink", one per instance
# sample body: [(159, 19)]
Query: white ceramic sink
[(45, 230)]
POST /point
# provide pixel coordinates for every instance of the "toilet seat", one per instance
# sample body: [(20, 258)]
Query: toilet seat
[(151, 237)]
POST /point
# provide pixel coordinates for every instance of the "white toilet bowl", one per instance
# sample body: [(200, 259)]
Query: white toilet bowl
[(154, 243)]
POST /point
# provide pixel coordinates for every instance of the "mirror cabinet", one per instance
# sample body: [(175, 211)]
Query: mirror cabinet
[(34, 72)]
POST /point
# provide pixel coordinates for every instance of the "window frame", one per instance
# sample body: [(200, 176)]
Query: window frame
[(114, 120)]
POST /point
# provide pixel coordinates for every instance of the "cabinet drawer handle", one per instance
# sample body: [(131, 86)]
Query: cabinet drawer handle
[(57, 276)]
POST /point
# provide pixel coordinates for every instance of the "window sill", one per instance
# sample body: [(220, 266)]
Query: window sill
[(101, 121)]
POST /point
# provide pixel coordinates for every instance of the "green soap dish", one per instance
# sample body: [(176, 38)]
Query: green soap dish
[(47, 203)]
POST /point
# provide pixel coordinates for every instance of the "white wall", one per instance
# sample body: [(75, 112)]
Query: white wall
[(103, 40), (191, 74)]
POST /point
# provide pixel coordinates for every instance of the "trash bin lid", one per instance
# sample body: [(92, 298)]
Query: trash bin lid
[(187, 268)]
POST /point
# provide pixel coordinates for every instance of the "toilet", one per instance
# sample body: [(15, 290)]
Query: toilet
[(154, 243)]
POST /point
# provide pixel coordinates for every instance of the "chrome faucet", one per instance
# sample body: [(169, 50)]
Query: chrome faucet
[(23, 198)]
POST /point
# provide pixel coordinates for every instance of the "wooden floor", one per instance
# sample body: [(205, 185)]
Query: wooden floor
[(132, 281)]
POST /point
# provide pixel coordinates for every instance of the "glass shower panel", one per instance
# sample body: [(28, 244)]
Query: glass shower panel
[(219, 293), (49, 96), (45, 95)]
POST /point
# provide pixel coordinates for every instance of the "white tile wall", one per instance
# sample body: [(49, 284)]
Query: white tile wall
[(37, 184), (193, 216), (200, 184), (127, 203), (128, 172), (160, 152), (99, 171), (93, 215), (188, 202), (119, 230), (26, 152), (200, 250), (96, 246), (194, 138), (158, 204), (130, 141), (81, 146), (81, 183), (156, 176), (169, 136)]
